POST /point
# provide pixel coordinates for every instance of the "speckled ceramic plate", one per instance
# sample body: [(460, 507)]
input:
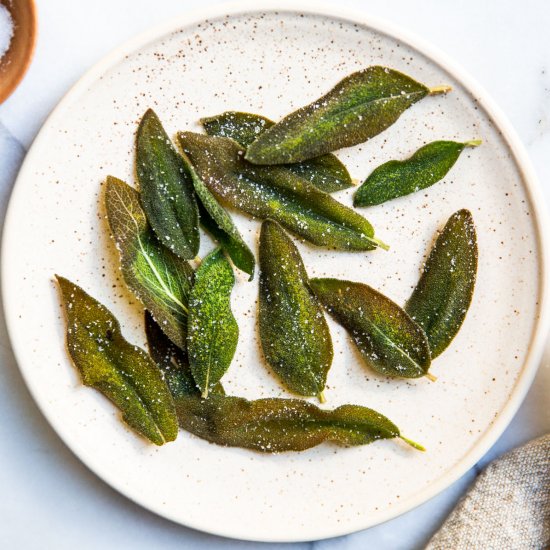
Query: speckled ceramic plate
[(271, 61)]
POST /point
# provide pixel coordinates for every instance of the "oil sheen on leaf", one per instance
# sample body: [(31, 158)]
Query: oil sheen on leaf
[(166, 190), (160, 279), (326, 172), (277, 425), (274, 192), (401, 177), (294, 334), (359, 107), (215, 219), (172, 361), (122, 372), (212, 330), (441, 299), (390, 342)]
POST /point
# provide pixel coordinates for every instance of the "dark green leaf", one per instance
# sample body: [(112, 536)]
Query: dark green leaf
[(278, 425), (359, 107), (244, 128), (388, 339), (441, 299), (294, 334), (172, 361), (401, 177), (274, 192), (166, 189), (160, 279), (219, 224), (119, 370), (326, 172), (212, 329)]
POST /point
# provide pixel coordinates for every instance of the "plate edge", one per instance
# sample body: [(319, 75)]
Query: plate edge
[(532, 187)]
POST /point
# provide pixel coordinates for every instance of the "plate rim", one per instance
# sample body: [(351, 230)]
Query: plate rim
[(531, 186)]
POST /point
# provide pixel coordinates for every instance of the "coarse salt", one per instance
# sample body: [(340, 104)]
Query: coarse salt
[(6, 30)]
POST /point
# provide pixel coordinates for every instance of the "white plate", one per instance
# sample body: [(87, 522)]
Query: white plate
[(271, 62)]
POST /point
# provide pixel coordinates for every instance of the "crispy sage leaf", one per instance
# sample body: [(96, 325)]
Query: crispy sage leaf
[(212, 329), (274, 192), (326, 172), (294, 334), (160, 279), (359, 107), (441, 299), (172, 361), (277, 425), (121, 371), (219, 224), (401, 177), (389, 340), (166, 189), (244, 128)]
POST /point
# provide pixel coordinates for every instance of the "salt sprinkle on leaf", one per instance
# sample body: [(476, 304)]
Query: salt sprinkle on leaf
[(215, 219), (172, 361), (159, 279), (274, 192), (359, 107), (122, 372), (166, 189), (396, 178), (294, 334), (326, 172), (212, 331), (278, 425), (441, 299), (390, 342)]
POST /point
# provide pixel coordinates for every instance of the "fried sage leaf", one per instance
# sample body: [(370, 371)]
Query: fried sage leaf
[(359, 107), (389, 340), (172, 361), (274, 192), (219, 224), (401, 177), (242, 127), (160, 279), (441, 299), (277, 425), (212, 329), (294, 334), (326, 172), (166, 190), (121, 371)]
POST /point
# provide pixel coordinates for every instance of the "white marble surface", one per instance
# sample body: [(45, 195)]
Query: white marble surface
[(49, 499)]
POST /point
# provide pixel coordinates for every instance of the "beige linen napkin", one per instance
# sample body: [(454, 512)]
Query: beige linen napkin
[(507, 508)]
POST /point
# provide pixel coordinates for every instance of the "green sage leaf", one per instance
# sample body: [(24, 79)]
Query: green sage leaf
[(441, 299), (278, 425), (326, 172), (121, 371), (294, 334), (401, 177), (274, 192), (172, 361), (359, 107), (166, 189), (390, 342), (212, 330), (216, 220), (159, 279), (241, 127)]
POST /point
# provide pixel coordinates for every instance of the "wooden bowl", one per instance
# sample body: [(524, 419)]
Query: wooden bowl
[(16, 61)]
